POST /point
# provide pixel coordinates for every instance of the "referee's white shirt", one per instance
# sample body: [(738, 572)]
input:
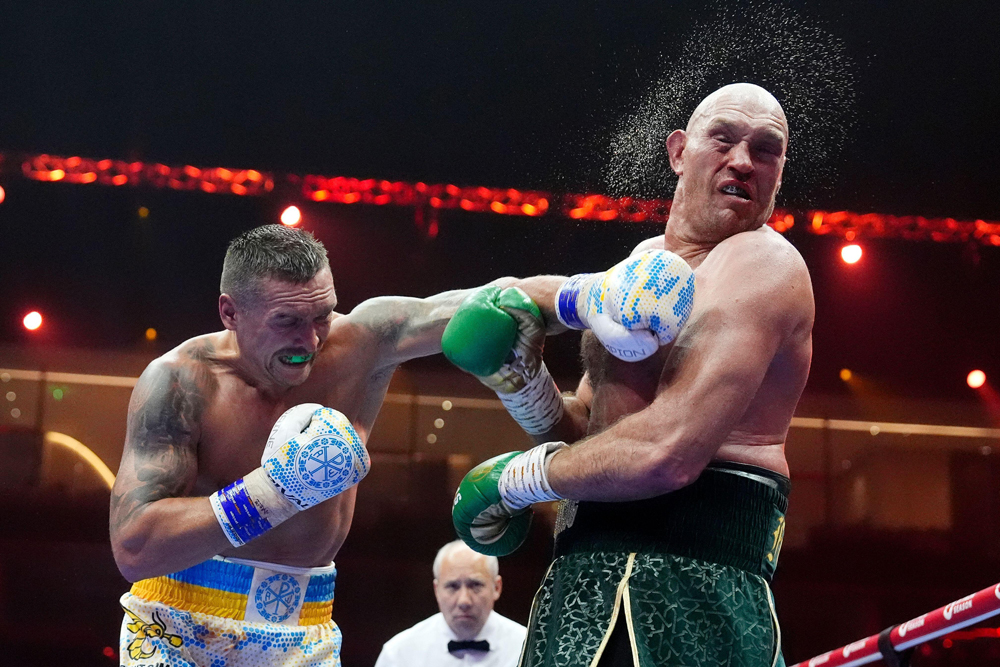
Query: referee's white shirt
[(426, 645)]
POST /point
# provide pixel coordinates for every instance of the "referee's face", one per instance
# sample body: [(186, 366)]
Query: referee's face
[(465, 592)]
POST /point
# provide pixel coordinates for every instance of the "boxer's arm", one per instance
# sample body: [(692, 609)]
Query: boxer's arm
[(407, 327), (542, 290), (154, 530), (712, 374)]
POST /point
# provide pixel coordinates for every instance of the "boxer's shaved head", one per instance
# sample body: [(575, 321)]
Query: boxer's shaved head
[(729, 162), (270, 251), (745, 96)]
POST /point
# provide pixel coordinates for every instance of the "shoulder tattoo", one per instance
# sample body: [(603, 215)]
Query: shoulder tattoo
[(161, 443)]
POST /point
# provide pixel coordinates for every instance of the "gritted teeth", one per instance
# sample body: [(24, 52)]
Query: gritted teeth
[(736, 190)]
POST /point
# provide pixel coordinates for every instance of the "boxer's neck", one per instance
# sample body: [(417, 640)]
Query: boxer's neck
[(692, 237), (677, 239)]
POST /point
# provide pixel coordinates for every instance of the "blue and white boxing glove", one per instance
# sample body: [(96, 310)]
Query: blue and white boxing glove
[(312, 454), (634, 307)]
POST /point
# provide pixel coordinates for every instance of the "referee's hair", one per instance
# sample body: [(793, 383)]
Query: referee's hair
[(492, 564)]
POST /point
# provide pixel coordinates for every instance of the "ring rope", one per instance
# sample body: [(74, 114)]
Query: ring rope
[(954, 616)]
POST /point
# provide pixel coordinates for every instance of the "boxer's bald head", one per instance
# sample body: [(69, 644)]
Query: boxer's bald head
[(746, 97), (729, 162)]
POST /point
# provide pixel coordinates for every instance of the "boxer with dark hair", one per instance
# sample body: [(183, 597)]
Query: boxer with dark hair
[(237, 486)]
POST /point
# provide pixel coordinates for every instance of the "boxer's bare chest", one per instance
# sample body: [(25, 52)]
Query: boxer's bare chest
[(235, 426), (621, 387)]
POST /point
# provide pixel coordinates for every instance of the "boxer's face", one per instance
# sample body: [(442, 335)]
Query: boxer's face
[(285, 327), (465, 592), (731, 162)]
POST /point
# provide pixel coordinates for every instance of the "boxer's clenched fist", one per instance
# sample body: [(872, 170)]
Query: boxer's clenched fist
[(498, 335), (312, 454), (491, 510), (634, 307)]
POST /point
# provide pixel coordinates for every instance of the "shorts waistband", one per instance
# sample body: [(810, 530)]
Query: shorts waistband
[(733, 514), (247, 591)]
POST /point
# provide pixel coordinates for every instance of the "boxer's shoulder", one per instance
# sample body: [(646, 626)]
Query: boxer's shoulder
[(655, 243), (200, 352), (184, 378), (758, 273), (763, 256)]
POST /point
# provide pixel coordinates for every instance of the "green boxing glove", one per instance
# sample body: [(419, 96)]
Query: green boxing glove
[(491, 511), (498, 335), (481, 519), (481, 333)]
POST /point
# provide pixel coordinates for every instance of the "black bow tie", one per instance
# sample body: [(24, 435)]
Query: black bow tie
[(481, 645)]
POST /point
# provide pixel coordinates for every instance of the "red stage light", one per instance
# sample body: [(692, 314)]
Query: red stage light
[(976, 379), (33, 320), (3, 195), (291, 216), (850, 253)]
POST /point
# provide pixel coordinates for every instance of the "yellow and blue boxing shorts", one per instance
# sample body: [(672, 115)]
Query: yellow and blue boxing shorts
[(234, 613)]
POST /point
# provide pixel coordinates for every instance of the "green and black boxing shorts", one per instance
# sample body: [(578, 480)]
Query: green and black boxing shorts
[(680, 580)]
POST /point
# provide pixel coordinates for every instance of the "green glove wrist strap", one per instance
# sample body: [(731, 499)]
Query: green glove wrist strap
[(537, 407)]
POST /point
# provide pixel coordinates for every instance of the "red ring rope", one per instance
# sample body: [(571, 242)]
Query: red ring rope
[(959, 614)]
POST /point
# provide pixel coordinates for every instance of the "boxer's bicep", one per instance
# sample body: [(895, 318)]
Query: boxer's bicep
[(717, 374), (719, 362), (160, 455)]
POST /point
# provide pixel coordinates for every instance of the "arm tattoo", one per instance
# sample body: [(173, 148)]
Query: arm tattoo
[(399, 322), (160, 448)]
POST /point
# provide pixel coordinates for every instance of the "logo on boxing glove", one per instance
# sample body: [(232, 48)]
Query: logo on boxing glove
[(323, 463)]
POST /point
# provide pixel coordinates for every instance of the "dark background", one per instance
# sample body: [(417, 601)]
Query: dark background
[(522, 94)]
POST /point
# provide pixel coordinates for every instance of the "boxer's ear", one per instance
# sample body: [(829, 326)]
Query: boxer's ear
[(227, 311), (676, 143)]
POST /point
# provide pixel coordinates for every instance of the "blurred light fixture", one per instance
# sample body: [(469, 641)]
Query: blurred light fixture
[(33, 320), (846, 374), (850, 253), (976, 379), (291, 216), (143, 212), (3, 195), (150, 334)]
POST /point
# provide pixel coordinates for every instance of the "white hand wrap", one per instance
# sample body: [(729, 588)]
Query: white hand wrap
[(537, 407), (524, 480)]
